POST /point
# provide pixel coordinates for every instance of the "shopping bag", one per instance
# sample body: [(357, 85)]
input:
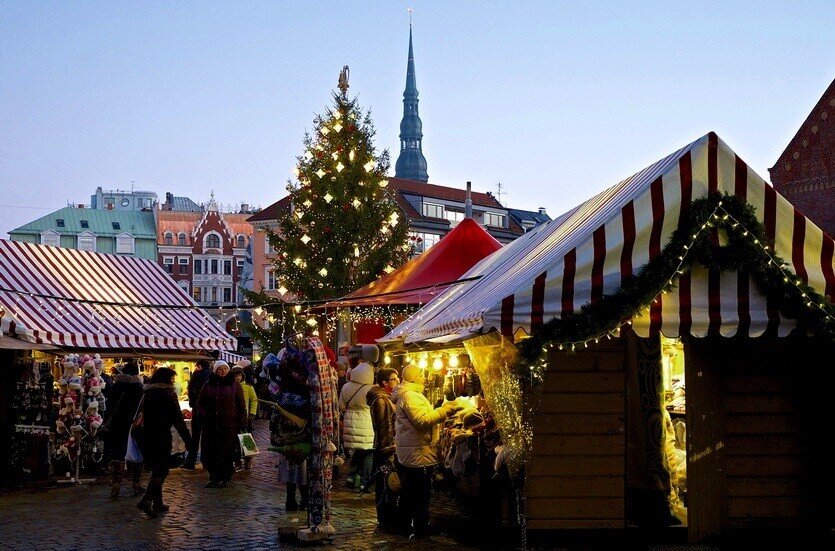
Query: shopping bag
[(248, 446), (137, 427), (133, 454)]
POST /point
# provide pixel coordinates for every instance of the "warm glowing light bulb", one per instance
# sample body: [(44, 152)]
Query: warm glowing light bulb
[(453, 361), (423, 363), (386, 359), (437, 364)]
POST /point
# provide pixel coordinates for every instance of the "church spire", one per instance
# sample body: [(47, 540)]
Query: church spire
[(411, 164)]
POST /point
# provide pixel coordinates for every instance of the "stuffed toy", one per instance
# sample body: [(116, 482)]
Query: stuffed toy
[(94, 419)]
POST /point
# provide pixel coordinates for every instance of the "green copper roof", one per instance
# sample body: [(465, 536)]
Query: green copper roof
[(70, 220)]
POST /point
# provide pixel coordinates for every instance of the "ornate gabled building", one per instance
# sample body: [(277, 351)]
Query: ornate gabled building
[(805, 172), (205, 253), (411, 164)]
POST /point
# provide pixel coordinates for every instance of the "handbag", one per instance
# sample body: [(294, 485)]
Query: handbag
[(248, 445)]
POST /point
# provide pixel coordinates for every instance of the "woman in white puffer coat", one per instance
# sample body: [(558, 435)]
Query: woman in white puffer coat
[(358, 431)]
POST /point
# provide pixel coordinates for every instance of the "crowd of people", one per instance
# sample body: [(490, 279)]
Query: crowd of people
[(389, 434)]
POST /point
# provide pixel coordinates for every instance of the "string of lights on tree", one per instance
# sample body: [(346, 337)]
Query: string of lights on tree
[(344, 228), (747, 250)]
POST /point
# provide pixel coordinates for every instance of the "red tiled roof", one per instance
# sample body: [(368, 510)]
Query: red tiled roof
[(272, 212), (443, 192)]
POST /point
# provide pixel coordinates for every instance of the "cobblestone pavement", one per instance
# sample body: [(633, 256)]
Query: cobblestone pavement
[(246, 515)]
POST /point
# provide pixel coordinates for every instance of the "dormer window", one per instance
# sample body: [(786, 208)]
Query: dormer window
[(241, 241), (84, 224), (168, 239), (125, 244), (432, 210), (59, 222), (212, 241), (117, 226), (181, 239), (86, 241), (51, 237)]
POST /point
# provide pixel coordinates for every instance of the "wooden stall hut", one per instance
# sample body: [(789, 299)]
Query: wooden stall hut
[(695, 255)]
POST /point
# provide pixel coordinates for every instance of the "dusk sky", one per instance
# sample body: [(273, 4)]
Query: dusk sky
[(555, 100)]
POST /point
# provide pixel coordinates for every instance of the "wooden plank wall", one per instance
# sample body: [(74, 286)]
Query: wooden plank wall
[(773, 396), (575, 479)]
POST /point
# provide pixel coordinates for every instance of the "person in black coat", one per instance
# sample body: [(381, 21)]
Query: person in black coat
[(161, 411), (125, 395), (221, 411), (198, 379)]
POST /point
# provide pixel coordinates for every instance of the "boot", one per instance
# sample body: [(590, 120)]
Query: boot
[(290, 502), (136, 478), (116, 467), (303, 502)]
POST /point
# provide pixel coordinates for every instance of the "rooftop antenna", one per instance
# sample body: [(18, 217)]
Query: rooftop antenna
[(131, 185), (499, 192)]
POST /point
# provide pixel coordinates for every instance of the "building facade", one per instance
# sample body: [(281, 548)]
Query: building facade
[(805, 172), (124, 232), (117, 199), (263, 273), (205, 253)]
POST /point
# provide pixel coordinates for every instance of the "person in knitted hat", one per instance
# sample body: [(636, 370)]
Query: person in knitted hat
[(125, 396), (222, 412), (416, 433)]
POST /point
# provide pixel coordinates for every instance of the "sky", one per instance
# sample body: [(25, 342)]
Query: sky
[(555, 100)]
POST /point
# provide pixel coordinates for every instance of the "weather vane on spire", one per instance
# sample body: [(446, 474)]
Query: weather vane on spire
[(411, 13), (343, 80)]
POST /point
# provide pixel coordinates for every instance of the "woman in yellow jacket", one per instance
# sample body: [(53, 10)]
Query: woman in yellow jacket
[(251, 401)]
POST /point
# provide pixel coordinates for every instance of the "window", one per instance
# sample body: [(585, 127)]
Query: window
[(168, 264), (214, 294), (241, 242), (117, 226), (198, 294), (85, 224), (227, 294), (213, 267), (181, 239), (86, 242), (270, 279), (227, 267), (183, 285), (169, 238), (183, 265), (124, 244), (454, 216), (267, 247), (433, 211), (51, 238), (212, 241), (59, 222), (423, 241), (493, 219), (239, 269), (198, 267)]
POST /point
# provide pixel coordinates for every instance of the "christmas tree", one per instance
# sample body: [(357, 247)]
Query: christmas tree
[(345, 228)]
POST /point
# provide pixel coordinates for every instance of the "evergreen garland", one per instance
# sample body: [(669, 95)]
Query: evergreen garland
[(748, 250)]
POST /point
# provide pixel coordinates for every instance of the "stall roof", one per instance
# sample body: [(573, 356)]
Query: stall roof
[(79, 299), (587, 252), (422, 278)]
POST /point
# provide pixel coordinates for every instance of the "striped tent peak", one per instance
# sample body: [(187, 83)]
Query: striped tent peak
[(73, 298), (588, 251)]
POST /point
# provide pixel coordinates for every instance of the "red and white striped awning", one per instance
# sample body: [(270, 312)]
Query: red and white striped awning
[(79, 299), (586, 253)]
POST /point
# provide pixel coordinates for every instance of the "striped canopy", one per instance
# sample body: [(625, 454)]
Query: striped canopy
[(589, 251), (79, 299)]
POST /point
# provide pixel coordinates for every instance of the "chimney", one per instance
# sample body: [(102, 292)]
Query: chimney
[(468, 203), (542, 211), (169, 198), (244, 208)]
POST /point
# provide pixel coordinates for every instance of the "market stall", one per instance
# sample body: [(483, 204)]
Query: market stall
[(577, 314), (58, 302), (393, 296)]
